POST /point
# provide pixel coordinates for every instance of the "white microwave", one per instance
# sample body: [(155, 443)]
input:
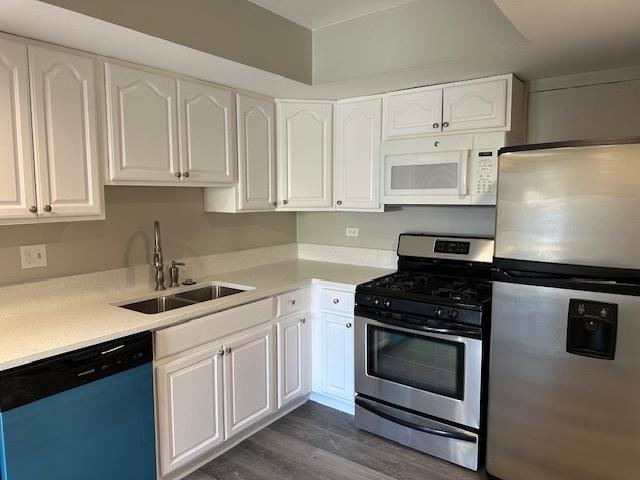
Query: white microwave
[(448, 170)]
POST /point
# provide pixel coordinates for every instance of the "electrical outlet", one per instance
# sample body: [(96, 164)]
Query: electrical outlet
[(352, 232), (33, 256)]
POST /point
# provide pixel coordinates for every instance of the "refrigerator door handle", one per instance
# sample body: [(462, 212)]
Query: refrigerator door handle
[(421, 428)]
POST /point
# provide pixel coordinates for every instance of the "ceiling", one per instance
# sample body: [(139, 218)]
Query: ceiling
[(415, 43), (314, 14)]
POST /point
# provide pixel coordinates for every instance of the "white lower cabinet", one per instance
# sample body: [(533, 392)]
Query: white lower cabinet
[(249, 379), (190, 407), (294, 358), (337, 356), (333, 347)]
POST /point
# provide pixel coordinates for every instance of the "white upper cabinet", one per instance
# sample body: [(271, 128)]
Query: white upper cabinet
[(475, 105), (357, 155), (207, 126), (413, 112), (141, 126), (256, 153), (190, 412), (65, 133), (305, 154), (17, 183)]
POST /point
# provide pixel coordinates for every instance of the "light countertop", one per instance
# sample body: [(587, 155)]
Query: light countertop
[(69, 325)]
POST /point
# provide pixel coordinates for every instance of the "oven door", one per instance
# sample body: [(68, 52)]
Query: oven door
[(437, 374)]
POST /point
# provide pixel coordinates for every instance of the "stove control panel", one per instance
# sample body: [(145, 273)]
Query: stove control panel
[(396, 307)]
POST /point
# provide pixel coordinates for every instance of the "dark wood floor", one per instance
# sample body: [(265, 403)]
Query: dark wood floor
[(315, 442)]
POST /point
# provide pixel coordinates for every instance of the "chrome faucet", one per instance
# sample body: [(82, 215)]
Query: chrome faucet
[(158, 263)]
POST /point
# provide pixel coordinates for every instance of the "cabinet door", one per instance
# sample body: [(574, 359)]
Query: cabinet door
[(475, 105), (189, 402), (256, 153), (207, 124), (17, 183), (413, 112), (249, 380), (65, 133), (337, 356), (294, 359), (141, 126), (358, 137), (305, 140)]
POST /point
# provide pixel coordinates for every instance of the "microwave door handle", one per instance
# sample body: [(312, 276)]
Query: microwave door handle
[(421, 428), (464, 164)]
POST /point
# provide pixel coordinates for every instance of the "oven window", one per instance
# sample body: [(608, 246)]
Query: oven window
[(417, 361)]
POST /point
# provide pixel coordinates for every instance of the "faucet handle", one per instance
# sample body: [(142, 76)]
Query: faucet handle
[(180, 264)]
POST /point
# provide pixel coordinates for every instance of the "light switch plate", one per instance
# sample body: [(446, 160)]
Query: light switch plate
[(33, 256), (352, 232)]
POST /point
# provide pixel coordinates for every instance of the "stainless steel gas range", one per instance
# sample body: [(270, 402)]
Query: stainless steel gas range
[(421, 343)]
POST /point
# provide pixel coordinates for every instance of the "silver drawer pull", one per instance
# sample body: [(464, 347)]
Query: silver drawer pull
[(348, 325), (336, 301), (303, 320), (293, 301)]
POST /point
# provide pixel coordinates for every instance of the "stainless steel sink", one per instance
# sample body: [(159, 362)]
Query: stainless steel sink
[(158, 305), (182, 299), (204, 294)]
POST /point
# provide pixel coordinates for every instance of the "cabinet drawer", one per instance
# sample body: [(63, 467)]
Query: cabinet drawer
[(337, 300), (291, 302), (205, 329)]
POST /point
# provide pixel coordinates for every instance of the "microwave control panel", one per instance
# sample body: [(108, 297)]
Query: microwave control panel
[(483, 176)]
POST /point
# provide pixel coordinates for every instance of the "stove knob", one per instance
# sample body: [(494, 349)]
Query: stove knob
[(453, 314), (387, 302), (376, 301), (438, 311)]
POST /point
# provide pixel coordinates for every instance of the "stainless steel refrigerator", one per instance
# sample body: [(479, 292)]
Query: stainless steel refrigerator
[(564, 383)]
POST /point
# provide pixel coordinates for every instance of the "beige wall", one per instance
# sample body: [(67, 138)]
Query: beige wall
[(591, 111), (381, 230), (559, 109), (125, 237), (234, 29)]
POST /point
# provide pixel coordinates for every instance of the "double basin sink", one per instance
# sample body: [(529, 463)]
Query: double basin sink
[(172, 301)]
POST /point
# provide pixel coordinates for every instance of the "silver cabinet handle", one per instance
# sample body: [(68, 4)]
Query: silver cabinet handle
[(336, 301), (185, 174), (275, 204), (445, 124), (436, 125), (284, 202), (292, 301), (220, 353), (436, 143), (178, 174), (303, 320), (47, 208), (339, 202), (33, 209), (228, 349), (348, 325)]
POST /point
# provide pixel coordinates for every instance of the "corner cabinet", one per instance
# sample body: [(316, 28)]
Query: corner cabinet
[(48, 95), (255, 190), (305, 155), (357, 155)]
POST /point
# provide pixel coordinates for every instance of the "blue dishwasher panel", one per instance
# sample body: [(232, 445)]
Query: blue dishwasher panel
[(103, 430)]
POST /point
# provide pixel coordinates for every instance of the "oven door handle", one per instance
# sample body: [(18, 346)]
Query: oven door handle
[(456, 331), (421, 428)]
